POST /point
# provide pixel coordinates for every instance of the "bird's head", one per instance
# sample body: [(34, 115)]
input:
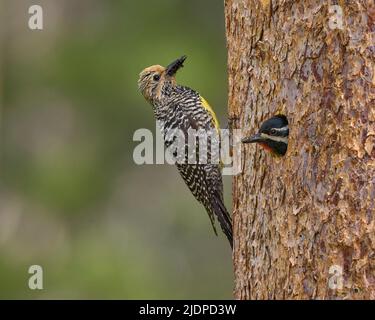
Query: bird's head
[(152, 79), (272, 135)]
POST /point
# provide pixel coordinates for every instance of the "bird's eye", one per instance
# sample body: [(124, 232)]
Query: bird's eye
[(156, 77), (273, 131)]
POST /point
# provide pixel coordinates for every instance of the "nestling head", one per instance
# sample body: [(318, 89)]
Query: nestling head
[(152, 79), (272, 135)]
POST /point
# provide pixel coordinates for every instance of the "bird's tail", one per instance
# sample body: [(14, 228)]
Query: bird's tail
[(223, 216)]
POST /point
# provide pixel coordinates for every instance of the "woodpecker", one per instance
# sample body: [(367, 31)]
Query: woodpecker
[(179, 107), (272, 136)]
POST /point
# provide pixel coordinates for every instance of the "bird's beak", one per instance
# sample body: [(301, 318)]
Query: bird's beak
[(253, 139), (175, 65)]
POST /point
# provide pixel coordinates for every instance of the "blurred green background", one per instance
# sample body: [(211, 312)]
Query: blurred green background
[(71, 198)]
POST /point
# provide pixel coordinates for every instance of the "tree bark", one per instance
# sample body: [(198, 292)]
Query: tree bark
[(304, 223)]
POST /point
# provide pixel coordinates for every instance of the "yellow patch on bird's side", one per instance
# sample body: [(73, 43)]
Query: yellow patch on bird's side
[(211, 112), (206, 105)]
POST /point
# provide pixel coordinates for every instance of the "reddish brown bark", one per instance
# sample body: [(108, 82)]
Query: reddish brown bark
[(302, 217)]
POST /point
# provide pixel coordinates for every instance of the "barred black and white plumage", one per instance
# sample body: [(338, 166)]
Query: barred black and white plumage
[(181, 108)]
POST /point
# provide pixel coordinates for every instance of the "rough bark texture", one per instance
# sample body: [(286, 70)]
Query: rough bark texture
[(298, 216)]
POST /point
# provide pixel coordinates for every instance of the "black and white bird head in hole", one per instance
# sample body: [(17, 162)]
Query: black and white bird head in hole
[(272, 135)]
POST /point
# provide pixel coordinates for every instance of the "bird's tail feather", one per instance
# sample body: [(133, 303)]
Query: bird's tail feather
[(224, 218)]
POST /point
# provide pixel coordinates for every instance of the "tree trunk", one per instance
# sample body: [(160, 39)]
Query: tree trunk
[(304, 223)]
